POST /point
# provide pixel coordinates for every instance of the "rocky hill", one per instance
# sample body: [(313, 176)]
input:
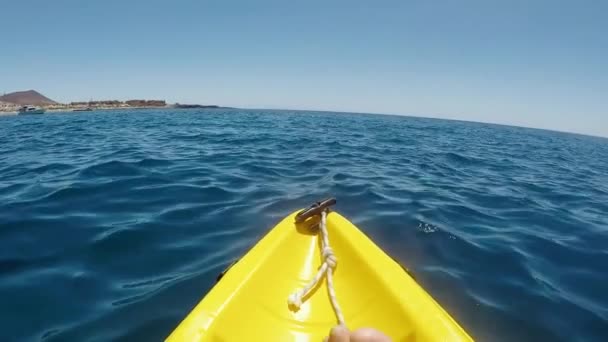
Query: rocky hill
[(28, 97)]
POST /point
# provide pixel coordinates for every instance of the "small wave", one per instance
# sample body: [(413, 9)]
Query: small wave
[(53, 167), (427, 228), (151, 282), (14, 265)]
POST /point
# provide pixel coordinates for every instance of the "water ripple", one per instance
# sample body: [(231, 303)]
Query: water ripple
[(114, 224)]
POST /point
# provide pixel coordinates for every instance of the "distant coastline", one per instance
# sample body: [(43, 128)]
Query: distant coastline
[(10, 104)]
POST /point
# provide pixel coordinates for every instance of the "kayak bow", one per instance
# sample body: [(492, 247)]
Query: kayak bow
[(250, 302)]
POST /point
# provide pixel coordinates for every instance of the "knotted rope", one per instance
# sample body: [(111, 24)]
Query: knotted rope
[(327, 268)]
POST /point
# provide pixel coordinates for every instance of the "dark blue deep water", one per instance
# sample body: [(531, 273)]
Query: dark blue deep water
[(113, 225)]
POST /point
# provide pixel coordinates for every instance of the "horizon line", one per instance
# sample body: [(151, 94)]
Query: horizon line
[(420, 116)]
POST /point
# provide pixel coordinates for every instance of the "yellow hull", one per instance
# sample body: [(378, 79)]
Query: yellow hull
[(250, 302)]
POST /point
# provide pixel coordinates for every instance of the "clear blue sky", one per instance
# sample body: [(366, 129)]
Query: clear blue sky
[(532, 63)]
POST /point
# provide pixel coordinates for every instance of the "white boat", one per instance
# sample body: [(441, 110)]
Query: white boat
[(30, 110)]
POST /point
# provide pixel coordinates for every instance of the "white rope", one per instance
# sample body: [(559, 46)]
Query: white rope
[(329, 264)]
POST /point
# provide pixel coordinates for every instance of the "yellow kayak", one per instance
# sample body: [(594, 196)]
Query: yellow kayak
[(253, 299)]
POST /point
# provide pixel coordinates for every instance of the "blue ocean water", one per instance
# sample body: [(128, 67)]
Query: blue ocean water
[(113, 225)]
